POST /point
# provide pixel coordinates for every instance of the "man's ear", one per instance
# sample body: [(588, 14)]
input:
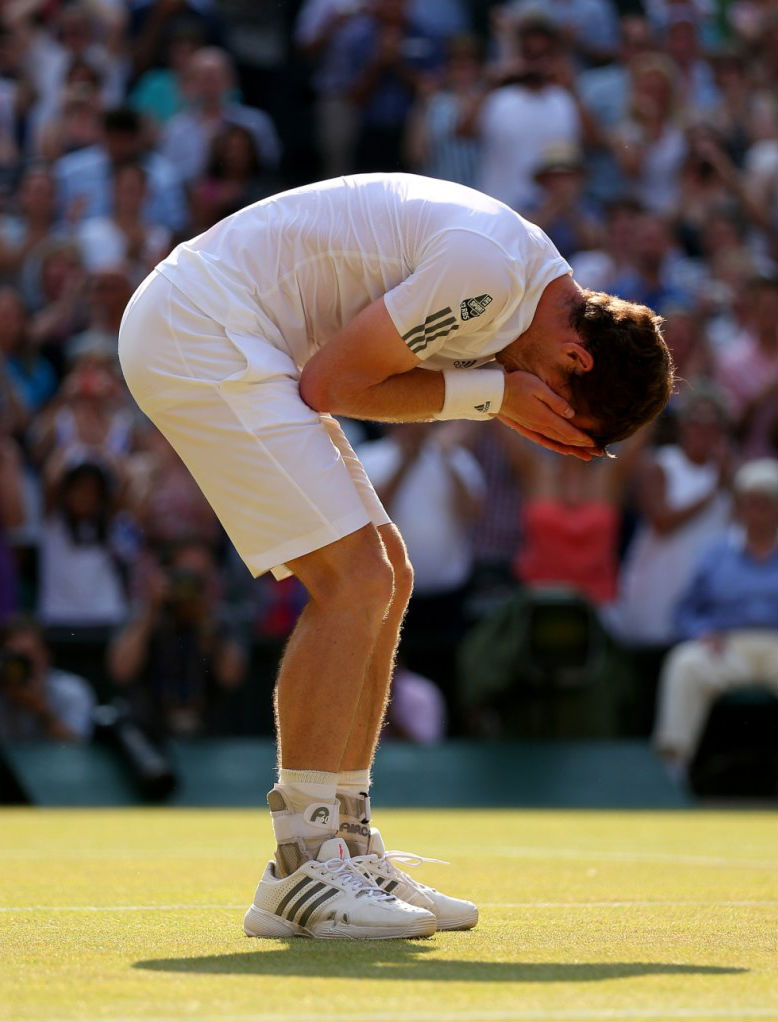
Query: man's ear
[(578, 358)]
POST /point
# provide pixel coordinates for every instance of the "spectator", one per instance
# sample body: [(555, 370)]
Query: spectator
[(31, 375), (561, 210), (433, 489), (76, 125), (435, 144), (657, 273), (747, 370), (726, 619), (91, 412), (162, 92), (591, 26), (571, 517), (696, 80), (81, 585), (387, 56), (122, 238), (175, 657), (84, 178), (233, 178), (417, 709), (683, 499), (11, 516), (38, 701), (649, 144), (188, 135), (601, 267), (322, 34), (25, 230), (169, 507), (521, 118)]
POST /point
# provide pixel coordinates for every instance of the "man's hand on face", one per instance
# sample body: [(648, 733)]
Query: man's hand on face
[(535, 411)]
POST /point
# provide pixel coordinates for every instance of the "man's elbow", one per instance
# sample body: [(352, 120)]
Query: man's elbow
[(316, 392)]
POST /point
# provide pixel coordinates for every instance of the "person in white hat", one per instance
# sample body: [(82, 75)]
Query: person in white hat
[(728, 618)]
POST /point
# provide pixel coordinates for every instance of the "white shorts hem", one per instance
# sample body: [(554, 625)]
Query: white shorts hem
[(275, 560)]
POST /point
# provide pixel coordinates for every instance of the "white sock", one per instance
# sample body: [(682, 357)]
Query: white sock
[(354, 782), (301, 787)]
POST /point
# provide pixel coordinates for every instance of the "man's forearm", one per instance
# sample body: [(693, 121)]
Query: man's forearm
[(415, 396)]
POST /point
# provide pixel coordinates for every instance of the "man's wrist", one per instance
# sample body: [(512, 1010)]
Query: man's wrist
[(472, 393)]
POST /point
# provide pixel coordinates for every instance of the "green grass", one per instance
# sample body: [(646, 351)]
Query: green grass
[(135, 914)]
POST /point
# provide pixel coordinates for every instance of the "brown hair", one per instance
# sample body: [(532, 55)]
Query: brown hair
[(633, 375)]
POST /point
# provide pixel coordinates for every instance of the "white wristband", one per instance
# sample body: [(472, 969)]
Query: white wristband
[(472, 393)]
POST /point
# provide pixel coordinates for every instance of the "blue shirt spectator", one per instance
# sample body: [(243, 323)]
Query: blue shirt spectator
[(730, 589)]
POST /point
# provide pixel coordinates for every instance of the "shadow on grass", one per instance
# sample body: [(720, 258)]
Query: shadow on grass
[(396, 959)]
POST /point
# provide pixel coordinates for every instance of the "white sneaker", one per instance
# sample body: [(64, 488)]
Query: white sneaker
[(329, 897), (379, 866)]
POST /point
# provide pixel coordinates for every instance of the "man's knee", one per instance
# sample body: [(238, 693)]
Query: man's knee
[(402, 569), (352, 573), (691, 663)]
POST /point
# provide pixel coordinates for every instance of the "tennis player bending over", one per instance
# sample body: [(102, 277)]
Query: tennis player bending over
[(377, 297)]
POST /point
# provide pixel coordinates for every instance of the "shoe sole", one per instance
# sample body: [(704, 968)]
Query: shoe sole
[(259, 923), (463, 923)]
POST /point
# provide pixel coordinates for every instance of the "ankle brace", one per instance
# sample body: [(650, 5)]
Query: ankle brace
[(355, 821), (300, 834)]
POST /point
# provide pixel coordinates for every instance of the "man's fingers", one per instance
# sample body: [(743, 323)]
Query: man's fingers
[(583, 453)]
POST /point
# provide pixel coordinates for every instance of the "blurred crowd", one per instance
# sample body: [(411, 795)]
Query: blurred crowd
[(642, 137)]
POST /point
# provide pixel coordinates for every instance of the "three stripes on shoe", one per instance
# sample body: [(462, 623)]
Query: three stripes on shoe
[(312, 895)]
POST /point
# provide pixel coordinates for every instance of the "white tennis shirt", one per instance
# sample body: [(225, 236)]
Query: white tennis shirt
[(461, 273)]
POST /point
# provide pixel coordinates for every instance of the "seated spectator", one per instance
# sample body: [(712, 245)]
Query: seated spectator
[(85, 177), (176, 658), (726, 618), (188, 135), (38, 701), (435, 143), (80, 584), (684, 503), (123, 238)]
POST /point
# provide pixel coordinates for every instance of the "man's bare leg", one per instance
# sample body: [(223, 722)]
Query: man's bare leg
[(371, 710), (325, 665)]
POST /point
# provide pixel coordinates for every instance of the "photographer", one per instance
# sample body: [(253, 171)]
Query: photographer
[(175, 657), (38, 701)]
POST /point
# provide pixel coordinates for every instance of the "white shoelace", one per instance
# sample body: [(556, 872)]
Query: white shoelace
[(350, 876), (389, 858)]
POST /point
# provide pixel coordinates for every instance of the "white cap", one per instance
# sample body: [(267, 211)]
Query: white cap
[(759, 476)]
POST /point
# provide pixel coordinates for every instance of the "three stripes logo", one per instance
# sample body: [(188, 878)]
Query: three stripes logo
[(302, 900), (385, 884), (438, 324)]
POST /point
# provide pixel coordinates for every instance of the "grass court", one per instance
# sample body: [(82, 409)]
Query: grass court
[(136, 914)]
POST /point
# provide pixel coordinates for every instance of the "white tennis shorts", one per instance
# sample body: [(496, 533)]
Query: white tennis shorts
[(282, 478)]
